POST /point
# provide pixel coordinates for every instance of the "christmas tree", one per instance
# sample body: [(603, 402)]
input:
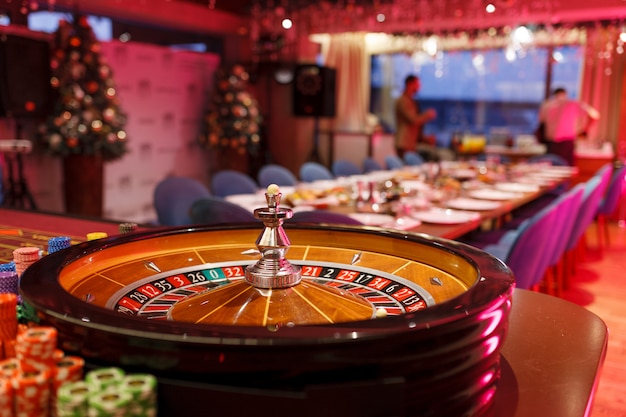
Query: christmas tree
[(233, 119), (87, 118)]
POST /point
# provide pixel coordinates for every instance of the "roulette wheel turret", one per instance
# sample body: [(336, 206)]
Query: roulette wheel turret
[(351, 321)]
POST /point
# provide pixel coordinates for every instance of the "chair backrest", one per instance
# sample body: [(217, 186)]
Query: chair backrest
[(172, 198), (594, 191), (568, 207), (525, 256), (345, 168), (613, 192), (314, 171), (230, 182), (554, 159), (413, 158), (323, 216), (216, 210), (275, 174), (370, 165), (393, 162)]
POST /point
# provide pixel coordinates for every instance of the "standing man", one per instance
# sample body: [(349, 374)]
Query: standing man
[(565, 120), (409, 120)]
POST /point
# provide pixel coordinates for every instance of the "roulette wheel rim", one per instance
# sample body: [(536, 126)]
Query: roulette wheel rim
[(455, 340)]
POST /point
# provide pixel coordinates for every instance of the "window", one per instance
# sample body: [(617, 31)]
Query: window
[(477, 92)]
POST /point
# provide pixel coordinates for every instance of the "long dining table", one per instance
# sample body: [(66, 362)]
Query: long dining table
[(479, 203)]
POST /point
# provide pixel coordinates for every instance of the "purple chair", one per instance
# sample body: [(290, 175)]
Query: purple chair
[(609, 204), (216, 210), (521, 251), (567, 206), (594, 191)]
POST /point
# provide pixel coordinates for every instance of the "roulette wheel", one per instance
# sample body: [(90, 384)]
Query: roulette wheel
[(305, 318)]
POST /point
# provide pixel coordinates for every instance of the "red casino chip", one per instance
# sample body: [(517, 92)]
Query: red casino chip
[(8, 317), (9, 368), (6, 396), (31, 391), (36, 348)]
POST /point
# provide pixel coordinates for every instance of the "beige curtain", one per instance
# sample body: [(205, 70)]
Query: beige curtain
[(346, 53), (602, 83)]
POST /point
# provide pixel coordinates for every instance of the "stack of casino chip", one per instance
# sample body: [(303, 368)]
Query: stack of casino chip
[(36, 349), (8, 282), (6, 398), (8, 324), (58, 243), (25, 257), (31, 393), (68, 369), (127, 227), (109, 392), (7, 267)]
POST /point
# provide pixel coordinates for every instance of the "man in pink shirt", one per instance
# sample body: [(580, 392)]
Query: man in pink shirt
[(565, 120)]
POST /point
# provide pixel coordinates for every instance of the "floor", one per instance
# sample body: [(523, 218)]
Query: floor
[(600, 286)]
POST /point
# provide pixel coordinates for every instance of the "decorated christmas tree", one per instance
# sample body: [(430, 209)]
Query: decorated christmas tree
[(86, 118), (233, 120)]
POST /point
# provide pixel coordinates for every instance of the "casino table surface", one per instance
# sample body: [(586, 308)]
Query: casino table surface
[(550, 361)]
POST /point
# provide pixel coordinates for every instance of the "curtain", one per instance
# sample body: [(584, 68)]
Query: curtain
[(346, 53), (602, 84)]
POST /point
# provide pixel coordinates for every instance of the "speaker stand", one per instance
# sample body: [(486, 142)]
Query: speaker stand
[(315, 152), (17, 194)]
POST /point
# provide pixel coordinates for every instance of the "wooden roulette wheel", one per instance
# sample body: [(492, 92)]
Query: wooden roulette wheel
[(378, 323)]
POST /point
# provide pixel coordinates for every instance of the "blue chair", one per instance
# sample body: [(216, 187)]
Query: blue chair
[(370, 165), (413, 159), (609, 204), (216, 210), (554, 159), (275, 174), (314, 171), (173, 197), (230, 182), (393, 162), (323, 216), (344, 168)]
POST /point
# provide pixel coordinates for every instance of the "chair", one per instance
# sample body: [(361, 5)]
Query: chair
[(413, 159), (345, 168), (569, 204), (393, 162), (173, 197), (216, 210), (275, 174), (609, 204), (370, 165), (595, 188), (554, 159), (323, 216), (520, 251), (314, 171), (230, 182)]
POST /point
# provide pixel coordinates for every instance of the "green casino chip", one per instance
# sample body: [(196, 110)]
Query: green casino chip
[(101, 379), (72, 399), (109, 403)]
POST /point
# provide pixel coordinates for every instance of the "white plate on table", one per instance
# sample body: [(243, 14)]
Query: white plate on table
[(516, 187), (445, 216), (372, 219), (493, 194), (463, 203)]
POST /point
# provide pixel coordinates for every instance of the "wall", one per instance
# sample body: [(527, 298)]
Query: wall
[(164, 94)]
